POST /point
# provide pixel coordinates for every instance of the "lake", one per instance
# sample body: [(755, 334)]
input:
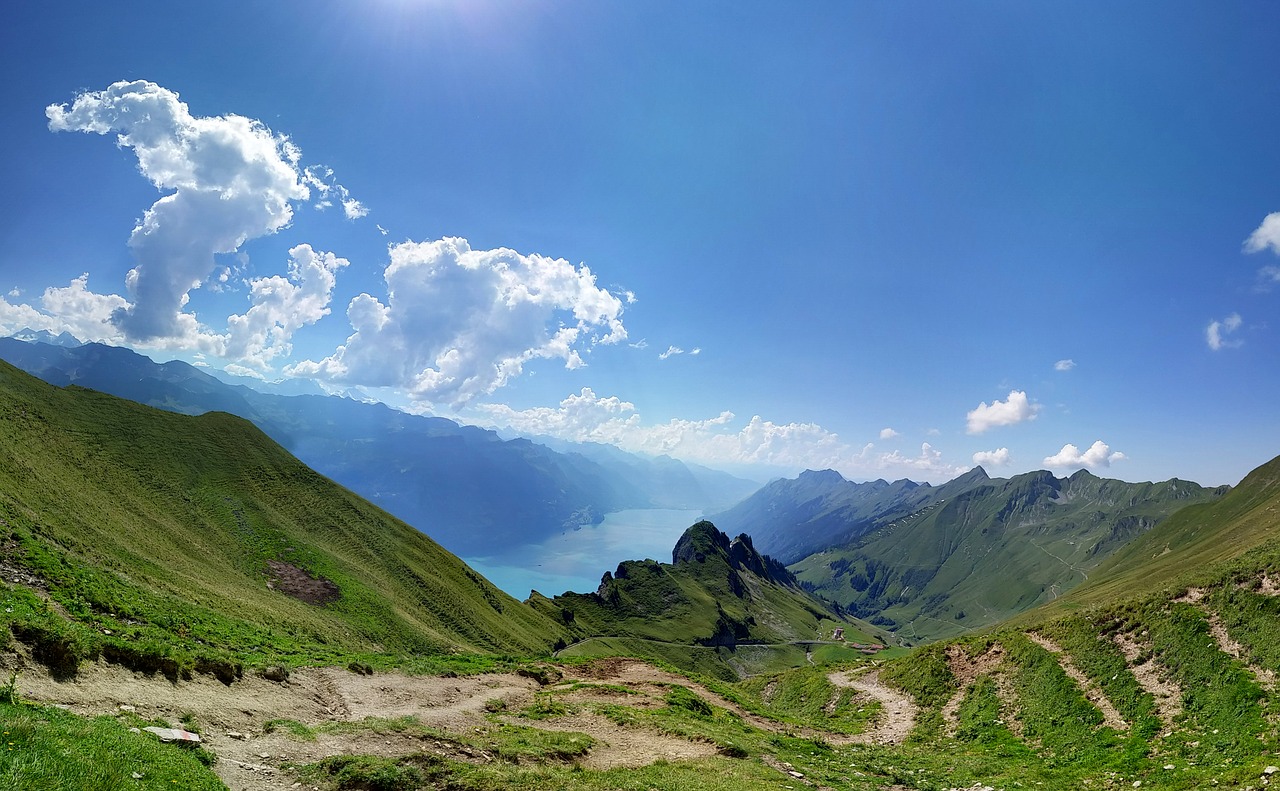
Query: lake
[(576, 559)]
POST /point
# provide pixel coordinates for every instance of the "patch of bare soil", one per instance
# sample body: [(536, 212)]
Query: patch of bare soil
[(298, 583), (1167, 694), (1192, 596), (966, 670), (897, 710), (1268, 586), (642, 677), (233, 719), (1235, 650), (1110, 716)]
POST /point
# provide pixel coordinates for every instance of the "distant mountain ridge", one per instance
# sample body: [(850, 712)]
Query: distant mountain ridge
[(793, 518), (931, 561), (462, 485)]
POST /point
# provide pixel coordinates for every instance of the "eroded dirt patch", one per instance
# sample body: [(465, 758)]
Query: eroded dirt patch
[(298, 583), (1167, 694), (966, 670), (1110, 715), (897, 710)]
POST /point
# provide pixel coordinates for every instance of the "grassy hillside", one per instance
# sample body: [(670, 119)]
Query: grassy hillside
[(990, 549), (163, 539), (695, 612), (1192, 541)]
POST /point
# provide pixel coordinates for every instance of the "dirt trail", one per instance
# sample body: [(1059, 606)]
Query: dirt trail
[(232, 719), (1110, 716), (897, 713)]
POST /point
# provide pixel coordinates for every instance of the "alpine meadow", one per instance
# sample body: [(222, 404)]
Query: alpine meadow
[(582, 396)]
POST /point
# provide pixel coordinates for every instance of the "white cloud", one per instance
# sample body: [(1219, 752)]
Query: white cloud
[(1266, 235), (696, 351), (992, 458), (74, 309), (228, 179), (670, 352), (1215, 334), (1098, 455), (640, 344), (281, 306), (1268, 276), (15, 292), (888, 433), (720, 440), (1015, 409), (1064, 365), (459, 323), (381, 230), (629, 297)]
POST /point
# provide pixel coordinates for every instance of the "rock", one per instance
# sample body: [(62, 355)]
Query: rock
[(127, 707), (1270, 770), (235, 735), (173, 734), (275, 673), (136, 776)]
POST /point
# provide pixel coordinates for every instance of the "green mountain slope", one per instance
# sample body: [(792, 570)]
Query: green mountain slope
[(1194, 539), (199, 536), (716, 593), (993, 549)]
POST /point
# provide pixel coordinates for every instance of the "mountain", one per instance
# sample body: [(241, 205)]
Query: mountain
[(63, 339), (793, 518), (462, 485), (717, 593), (991, 550), (1190, 541), (668, 482), (168, 541)]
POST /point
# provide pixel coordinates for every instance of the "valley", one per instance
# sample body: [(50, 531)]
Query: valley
[(179, 571)]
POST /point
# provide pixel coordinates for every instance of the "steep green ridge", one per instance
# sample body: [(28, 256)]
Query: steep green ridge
[(990, 549), (1160, 673), (464, 486), (1194, 539), (716, 593), (176, 537)]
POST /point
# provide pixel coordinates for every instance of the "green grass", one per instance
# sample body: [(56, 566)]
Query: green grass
[(805, 697), (45, 749), (152, 532)]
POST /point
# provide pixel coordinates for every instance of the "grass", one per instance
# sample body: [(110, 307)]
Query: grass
[(151, 533), (45, 749)]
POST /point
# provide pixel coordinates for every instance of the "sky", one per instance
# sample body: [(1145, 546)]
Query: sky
[(893, 239)]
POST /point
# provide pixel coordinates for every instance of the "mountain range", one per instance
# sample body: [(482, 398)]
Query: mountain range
[(465, 486), (930, 561)]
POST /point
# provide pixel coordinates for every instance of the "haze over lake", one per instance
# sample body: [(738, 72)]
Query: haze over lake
[(575, 559)]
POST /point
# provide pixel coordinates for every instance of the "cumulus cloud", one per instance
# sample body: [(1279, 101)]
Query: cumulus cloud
[(320, 178), (888, 433), (459, 323), (73, 308), (1217, 331), (586, 417), (1015, 409), (992, 458), (1098, 455), (281, 306), (1064, 365), (1266, 235), (228, 179)]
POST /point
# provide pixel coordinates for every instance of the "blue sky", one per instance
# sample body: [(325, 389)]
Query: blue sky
[(894, 239)]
